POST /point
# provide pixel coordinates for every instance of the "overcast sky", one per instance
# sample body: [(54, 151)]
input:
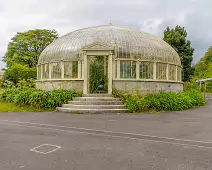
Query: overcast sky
[(64, 16)]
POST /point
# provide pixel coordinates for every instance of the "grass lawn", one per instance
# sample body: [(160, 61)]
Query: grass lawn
[(12, 107)]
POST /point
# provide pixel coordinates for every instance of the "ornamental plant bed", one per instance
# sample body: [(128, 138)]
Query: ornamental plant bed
[(163, 101)]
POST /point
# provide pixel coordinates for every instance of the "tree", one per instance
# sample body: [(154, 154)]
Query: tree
[(19, 72), (177, 39), (208, 56), (25, 48), (203, 69)]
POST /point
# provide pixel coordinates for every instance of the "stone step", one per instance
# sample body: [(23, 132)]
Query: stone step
[(95, 99), (97, 95), (93, 106), (96, 102), (91, 111), (208, 96)]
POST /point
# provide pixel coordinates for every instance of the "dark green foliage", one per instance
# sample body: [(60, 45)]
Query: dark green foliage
[(116, 93), (23, 98), (192, 85), (10, 94), (7, 84), (19, 72), (38, 98), (25, 48), (97, 76), (196, 98), (59, 97), (203, 70), (24, 84), (168, 101), (23, 53), (209, 87), (177, 39), (164, 101)]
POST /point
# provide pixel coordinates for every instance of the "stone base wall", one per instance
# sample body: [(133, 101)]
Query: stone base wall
[(144, 87), (131, 86), (60, 84)]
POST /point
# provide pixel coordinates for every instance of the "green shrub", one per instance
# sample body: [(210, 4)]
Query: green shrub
[(192, 85), (10, 94), (116, 93), (7, 84), (164, 101), (59, 97), (143, 105), (29, 83), (38, 98), (24, 84), (19, 72), (196, 98), (24, 96)]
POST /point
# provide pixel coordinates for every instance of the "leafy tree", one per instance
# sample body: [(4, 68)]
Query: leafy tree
[(25, 48), (203, 69), (19, 72), (207, 59), (177, 39)]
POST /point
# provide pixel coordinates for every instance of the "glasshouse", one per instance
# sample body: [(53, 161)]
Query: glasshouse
[(98, 59)]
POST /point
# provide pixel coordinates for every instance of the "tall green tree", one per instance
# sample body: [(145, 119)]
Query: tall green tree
[(203, 69), (25, 48), (177, 38)]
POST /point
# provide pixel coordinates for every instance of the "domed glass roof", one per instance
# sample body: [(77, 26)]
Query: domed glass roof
[(127, 42)]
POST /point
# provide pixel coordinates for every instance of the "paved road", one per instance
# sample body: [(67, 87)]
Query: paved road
[(177, 140)]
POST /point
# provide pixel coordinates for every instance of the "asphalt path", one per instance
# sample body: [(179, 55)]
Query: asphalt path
[(57, 141)]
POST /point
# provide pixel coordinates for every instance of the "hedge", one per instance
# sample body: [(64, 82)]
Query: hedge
[(37, 98), (163, 101)]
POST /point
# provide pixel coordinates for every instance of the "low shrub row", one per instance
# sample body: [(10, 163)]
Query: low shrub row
[(163, 101), (37, 98), (23, 84)]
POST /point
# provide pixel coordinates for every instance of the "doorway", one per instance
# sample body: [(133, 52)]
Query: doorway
[(98, 74)]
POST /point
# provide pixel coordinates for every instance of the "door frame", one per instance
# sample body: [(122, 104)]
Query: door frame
[(89, 58), (97, 49)]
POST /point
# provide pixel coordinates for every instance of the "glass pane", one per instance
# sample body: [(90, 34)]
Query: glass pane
[(161, 71), (45, 71), (146, 70), (179, 72), (56, 71), (172, 72), (128, 69), (39, 72), (71, 69)]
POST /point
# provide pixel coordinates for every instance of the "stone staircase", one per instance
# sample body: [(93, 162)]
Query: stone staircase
[(208, 98), (94, 103)]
